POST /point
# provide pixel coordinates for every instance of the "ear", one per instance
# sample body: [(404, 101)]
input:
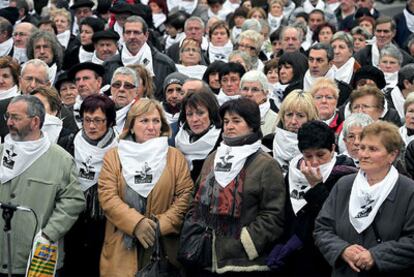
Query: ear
[(393, 156), (407, 84), (100, 81), (334, 146)]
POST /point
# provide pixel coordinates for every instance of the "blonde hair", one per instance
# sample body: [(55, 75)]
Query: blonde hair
[(62, 12), (298, 100), (388, 134), (323, 82), (141, 107)]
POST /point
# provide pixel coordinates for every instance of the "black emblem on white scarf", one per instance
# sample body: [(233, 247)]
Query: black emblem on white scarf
[(143, 176), (225, 164), (8, 161), (366, 208), (86, 172)]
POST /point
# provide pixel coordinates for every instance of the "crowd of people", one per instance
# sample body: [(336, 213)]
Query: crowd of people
[(240, 137)]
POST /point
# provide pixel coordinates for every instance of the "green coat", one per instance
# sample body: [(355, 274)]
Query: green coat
[(50, 187)]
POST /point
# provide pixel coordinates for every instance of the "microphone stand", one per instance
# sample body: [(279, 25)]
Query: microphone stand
[(7, 216)]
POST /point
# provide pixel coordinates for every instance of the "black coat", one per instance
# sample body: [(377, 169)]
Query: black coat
[(364, 56)]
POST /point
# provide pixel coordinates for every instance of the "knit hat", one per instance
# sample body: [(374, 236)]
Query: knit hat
[(174, 78), (372, 73)]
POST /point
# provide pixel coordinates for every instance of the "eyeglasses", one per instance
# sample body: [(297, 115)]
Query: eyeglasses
[(31, 79), (351, 137), (362, 107), (253, 90), (327, 97), (246, 46), (96, 121), (15, 118), (127, 85)]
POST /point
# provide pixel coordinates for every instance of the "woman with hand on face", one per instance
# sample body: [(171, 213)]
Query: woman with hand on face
[(200, 131), (297, 109), (84, 241), (254, 86), (240, 196), (366, 226), (311, 176), (141, 178)]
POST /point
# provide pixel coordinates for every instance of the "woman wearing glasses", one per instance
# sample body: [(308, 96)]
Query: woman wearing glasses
[(141, 178), (97, 136), (254, 86), (325, 95), (190, 57)]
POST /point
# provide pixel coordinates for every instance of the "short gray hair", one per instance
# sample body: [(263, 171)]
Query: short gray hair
[(392, 51), (255, 76), (361, 31), (35, 107), (36, 63), (356, 120), (256, 37), (245, 57), (128, 72), (251, 24), (345, 37), (405, 73), (194, 18)]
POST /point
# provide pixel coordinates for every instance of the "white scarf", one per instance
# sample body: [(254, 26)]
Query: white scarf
[(365, 200), (220, 53), (308, 81), (20, 54), (230, 7), (375, 53), (229, 160), (120, 31), (391, 80), (287, 10), (299, 185), (143, 57), (277, 91), (222, 97), (221, 14), (404, 135), (235, 33), (76, 111), (121, 116), (97, 60), (199, 149), (195, 71), (52, 73), (84, 56), (333, 6), (143, 163), (398, 100), (52, 127), (64, 38), (308, 7), (6, 47), (89, 160), (274, 21), (264, 108), (187, 6), (9, 93), (170, 41), (345, 72), (18, 156), (409, 18), (285, 147), (158, 19)]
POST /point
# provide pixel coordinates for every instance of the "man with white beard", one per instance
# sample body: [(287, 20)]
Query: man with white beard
[(21, 34)]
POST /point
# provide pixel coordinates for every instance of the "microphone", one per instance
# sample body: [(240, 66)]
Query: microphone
[(14, 207)]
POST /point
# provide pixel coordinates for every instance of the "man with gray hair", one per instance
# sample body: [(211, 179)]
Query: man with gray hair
[(396, 97), (291, 39), (124, 90), (45, 46), (34, 74), (351, 134), (54, 194), (21, 34), (137, 51)]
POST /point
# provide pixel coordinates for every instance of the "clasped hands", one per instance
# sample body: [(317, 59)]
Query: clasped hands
[(358, 258), (145, 232)]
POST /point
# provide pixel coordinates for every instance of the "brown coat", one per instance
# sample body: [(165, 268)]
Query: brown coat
[(169, 201)]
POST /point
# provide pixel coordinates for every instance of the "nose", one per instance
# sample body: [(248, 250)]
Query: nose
[(314, 162)]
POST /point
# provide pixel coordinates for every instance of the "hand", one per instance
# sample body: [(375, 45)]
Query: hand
[(350, 255), (365, 261), (145, 232), (313, 175)]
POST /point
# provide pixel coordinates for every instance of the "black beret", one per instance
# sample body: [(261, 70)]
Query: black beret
[(82, 3), (371, 73), (121, 7), (86, 65), (108, 34), (63, 77)]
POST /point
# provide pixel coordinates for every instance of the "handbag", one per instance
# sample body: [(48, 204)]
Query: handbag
[(159, 266), (195, 244)]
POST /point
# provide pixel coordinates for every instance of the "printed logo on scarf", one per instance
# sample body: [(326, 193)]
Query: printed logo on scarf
[(87, 170), (366, 209), (8, 160), (225, 164), (143, 176)]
